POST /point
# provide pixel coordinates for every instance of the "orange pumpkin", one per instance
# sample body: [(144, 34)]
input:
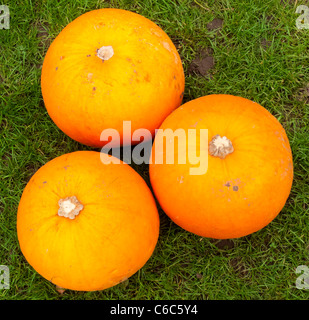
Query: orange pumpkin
[(107, 66), (85, 225), (249, 174)]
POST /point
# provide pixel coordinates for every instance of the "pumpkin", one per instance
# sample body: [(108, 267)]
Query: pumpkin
[(249, 167), (85, 225), (109, 66)]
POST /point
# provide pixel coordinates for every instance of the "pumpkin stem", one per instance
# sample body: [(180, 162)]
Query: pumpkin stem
[(69, 207), (105, 52), (220, 147)]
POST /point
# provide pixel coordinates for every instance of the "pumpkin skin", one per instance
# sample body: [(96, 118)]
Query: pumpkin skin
[(238, 194), (142, 82), (109, 240)]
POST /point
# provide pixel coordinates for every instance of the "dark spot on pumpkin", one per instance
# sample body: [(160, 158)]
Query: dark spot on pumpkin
[(227, 184), (44, 182), (181, 95), (56, 68), (88, 55), (147, 78), (94, 88), (235, 188)]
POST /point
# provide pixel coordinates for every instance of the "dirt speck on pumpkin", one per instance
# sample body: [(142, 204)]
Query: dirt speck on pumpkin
[(235, 188), (227, 184), (203, 63), (147, 77)]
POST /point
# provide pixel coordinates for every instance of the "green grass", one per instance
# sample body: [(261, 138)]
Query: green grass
[(258, 53)]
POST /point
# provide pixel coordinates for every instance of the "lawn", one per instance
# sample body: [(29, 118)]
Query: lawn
[(248, 48)]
